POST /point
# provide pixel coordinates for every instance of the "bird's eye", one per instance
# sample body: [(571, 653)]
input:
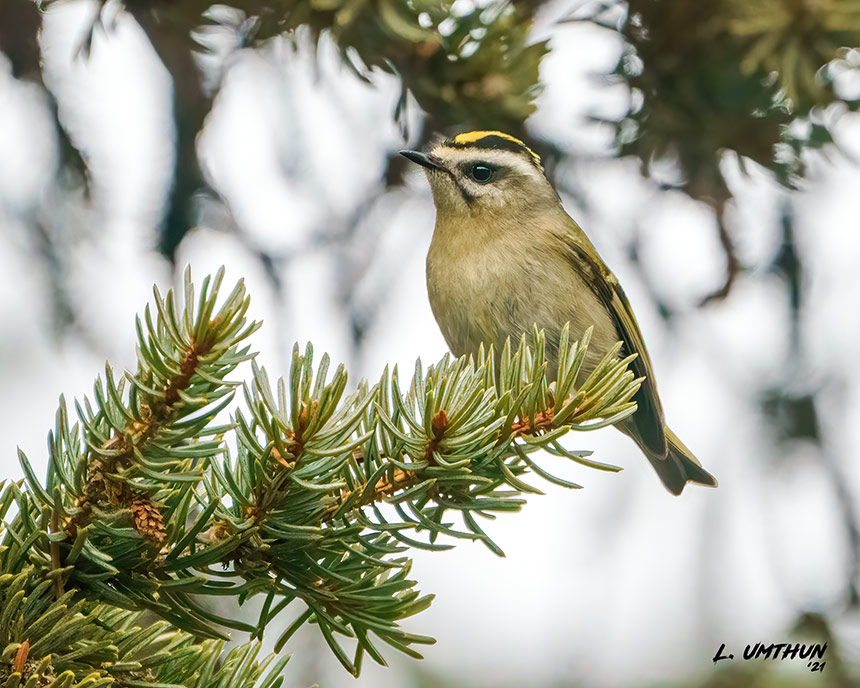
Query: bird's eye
[(481, 173)]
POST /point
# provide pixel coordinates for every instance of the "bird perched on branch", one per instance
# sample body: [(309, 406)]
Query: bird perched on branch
[(506, 256)]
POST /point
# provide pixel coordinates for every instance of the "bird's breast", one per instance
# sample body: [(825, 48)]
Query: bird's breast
[(471, 294), (487, 285)]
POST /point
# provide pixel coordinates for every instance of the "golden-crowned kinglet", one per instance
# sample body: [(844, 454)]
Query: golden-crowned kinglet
[(506, 256)]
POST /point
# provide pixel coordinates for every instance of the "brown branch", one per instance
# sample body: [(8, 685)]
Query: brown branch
[(169, 34), (733, 263), (388, 484), (438, 425), (399, 479), (402, 478), (101, 481), (295, 440), (526, 426), (20, 661)]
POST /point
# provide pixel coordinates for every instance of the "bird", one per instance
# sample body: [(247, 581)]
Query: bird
[(505, 257)]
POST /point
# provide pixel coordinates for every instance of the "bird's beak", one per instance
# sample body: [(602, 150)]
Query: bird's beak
[(427, 160)]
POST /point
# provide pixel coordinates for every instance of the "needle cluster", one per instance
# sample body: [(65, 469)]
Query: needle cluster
[(146, 513)]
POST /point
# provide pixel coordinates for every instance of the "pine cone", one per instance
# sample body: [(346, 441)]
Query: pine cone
[(147, 518)]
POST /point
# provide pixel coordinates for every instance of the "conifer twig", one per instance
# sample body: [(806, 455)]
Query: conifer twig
[(145, 509)]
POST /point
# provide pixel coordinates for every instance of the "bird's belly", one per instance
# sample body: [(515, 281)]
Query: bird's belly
[(475, 303)]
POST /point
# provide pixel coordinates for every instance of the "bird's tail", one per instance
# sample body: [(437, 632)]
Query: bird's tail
[(679, 466)]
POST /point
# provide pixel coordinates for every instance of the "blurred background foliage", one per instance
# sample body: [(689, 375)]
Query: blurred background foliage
[(713, 89)]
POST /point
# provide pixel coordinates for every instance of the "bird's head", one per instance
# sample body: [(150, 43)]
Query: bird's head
[(485, 172)]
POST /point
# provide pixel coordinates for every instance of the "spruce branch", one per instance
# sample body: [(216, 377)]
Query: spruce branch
[(332, 486), (123, 482), (72, 642), (144, 508)]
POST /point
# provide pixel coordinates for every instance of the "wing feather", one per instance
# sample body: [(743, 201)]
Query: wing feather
[(648, 422)]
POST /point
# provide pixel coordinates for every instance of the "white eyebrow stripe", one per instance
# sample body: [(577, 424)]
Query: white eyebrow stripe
[(500, 158)]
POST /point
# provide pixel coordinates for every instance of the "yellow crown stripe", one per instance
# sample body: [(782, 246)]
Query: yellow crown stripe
[(475, 136), (472, 136)]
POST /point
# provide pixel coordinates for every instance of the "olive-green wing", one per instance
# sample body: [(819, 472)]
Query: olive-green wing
[(648, 420)]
